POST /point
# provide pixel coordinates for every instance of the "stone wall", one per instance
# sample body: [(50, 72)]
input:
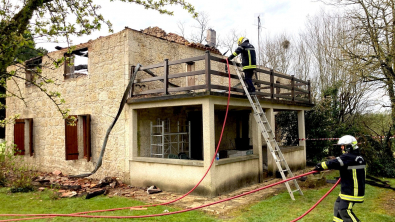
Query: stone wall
[(97, 94)]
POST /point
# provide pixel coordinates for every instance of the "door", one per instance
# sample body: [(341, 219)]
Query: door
[(196, 119)]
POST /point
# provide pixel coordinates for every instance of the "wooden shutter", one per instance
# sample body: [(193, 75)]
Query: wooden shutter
[(71, 140), (68, 69), (31, 148), (86, 126), (19, 136)]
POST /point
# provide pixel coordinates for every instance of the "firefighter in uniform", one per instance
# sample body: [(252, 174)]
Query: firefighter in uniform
[(248, 58), (352, 169)]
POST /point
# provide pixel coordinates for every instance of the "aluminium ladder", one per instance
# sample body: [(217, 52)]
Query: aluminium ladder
[(268, 135)]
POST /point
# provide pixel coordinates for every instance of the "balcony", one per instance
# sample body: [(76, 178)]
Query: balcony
[(205, 75)]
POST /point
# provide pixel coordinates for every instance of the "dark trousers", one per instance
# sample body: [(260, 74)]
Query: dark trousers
[(343, 211), (248, 79)]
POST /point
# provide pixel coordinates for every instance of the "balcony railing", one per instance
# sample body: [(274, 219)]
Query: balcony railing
[(290, 89)]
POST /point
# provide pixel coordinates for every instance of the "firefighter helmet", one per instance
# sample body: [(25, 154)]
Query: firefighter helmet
[(349, 142), (241, 40)]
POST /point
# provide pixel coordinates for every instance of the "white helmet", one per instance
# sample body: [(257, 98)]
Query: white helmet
[(349, 142)]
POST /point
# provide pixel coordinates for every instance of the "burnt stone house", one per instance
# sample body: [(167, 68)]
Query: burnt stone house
[(169, 129)]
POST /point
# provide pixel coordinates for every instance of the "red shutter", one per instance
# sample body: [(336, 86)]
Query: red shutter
[(71, 140), (31, 149), (87, 136), (19, 136)]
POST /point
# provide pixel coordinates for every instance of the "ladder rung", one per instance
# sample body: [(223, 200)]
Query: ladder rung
[(295, 190)]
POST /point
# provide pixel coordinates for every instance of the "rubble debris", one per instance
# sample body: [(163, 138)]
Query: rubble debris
[(57, 172), (69, 194), (70, 187), (171, 37), (153, 189), (107, 181), (95, 193)]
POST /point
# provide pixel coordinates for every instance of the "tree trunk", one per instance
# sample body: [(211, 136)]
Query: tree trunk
[(391, 94)]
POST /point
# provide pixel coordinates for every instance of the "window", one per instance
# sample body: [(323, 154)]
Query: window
[(76, 64), (23, 137), (31, 70), (78, 138)]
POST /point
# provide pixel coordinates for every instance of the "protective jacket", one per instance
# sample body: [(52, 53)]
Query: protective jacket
[(248, 55), (352, 169)]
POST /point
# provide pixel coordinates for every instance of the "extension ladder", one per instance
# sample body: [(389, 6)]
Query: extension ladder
[(268, 135)]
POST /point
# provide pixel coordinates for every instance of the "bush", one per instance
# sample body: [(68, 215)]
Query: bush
[(14, 172), (378, 154)]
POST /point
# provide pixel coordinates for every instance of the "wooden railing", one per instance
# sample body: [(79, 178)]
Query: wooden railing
[(297, 90)]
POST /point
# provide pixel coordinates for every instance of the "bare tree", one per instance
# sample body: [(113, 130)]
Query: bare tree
[(230, 41), (181, 28), (201, 28), (370, 48), (302, 60), (277, 53), (335, 76)]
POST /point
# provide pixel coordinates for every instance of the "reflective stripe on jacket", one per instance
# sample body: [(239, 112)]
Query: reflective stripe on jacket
[(248, 55), (352, 169)]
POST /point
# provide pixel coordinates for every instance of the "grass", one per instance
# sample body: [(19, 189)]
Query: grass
[(41, 202), (277, 208)]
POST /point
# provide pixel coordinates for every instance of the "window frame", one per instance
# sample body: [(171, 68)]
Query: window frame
[(78, 143), (69, 71), (30, 66), (23, 129)]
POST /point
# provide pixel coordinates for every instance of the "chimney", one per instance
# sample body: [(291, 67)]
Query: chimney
[(211, 37)]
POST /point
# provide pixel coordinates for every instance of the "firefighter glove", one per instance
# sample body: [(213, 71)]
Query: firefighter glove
[(318, 167)]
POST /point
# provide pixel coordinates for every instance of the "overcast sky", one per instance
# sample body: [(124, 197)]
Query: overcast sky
[(276, 16)]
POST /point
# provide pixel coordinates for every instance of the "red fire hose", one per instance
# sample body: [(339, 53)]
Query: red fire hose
[(319, 201), (153, 215)]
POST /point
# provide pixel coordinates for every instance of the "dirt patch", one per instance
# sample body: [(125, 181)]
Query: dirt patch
[(388, 202)]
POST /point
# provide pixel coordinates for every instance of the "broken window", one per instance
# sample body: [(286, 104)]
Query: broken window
[(78, 137), (23, 137), (32, 68), (76, 64)]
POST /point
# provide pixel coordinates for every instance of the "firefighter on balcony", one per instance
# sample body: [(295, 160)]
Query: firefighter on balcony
[(248, 58), (352, 169)]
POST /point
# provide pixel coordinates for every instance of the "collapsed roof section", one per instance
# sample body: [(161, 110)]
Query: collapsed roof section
[(171, 37)]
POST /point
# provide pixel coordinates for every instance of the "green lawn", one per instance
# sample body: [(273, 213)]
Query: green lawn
[(280, 208), (40, 203), (277, 208)]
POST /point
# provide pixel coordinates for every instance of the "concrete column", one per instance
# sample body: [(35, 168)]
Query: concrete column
[(271, 165), (301, 132), (208, 141), (133, 133), (257, 144)]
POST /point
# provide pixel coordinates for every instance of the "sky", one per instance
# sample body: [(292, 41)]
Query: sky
[(277, 16)]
